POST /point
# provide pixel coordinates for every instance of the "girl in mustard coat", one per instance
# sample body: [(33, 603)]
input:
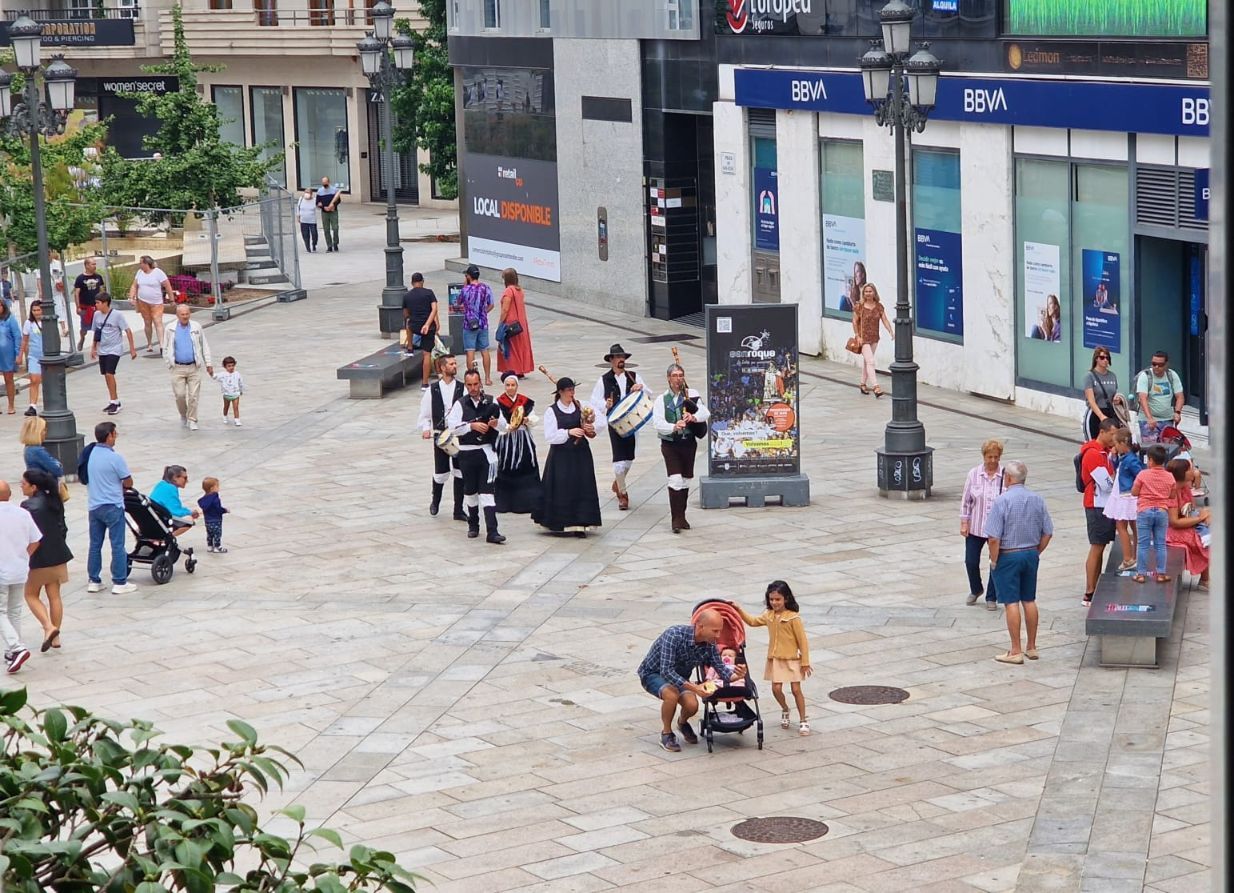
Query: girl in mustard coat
[(788, 651)]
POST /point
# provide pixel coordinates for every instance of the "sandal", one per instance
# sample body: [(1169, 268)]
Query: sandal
[(1139, 578), (878, 392), (1164, 578), (784, 718), (804, 728), (1126, 565), (863, 387)]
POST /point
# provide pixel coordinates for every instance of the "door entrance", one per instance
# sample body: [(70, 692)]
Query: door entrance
[(406, 179), (1172, 280)]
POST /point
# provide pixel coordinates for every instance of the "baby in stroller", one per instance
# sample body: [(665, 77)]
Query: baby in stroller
[(728, 656), (732, 707)]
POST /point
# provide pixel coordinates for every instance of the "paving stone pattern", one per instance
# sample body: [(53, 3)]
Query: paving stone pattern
[(475, 710)]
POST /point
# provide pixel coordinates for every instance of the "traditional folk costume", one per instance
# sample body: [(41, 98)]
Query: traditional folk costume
[(477, 459), (614, 387), (571, 502), (678, 448), (434, 406), (518, 490)]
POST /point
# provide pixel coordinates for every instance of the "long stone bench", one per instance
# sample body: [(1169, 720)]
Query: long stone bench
[(388, 369), (1130, 618)]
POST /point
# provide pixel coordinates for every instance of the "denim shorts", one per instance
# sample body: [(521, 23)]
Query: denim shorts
[(654, 683), (477, 340), (1015, 577)]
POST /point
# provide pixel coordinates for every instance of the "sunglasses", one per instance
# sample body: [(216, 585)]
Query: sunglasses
[(1103, 356), (1156, 365)]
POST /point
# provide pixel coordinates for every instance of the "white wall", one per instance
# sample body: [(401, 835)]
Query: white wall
[(801, 263), (734, 243)]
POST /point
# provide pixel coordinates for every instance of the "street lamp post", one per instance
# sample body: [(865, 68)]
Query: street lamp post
[(385, 60), (902, 90), (33, 116)]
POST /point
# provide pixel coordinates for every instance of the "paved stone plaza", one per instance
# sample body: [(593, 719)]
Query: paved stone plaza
[(474, 708)]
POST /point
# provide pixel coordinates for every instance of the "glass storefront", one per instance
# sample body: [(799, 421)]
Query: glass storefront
[(842, 197), (322, 146), (266, 106), (937, 245), (230, 104)]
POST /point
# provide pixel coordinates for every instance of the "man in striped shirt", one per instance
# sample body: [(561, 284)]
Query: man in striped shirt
[(1019, 528)]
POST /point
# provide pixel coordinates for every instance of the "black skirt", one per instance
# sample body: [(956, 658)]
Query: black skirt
[(517, 490), (570, 497)]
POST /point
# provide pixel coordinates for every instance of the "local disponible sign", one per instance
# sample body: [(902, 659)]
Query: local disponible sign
[(511, 212), (80, 33)]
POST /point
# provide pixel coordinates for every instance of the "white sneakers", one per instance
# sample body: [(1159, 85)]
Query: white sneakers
[(238, 425), (192, 425), (94, 587), (228, 421), (123, 589)]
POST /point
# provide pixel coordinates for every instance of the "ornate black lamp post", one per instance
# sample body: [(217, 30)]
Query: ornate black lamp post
[(902, 90)]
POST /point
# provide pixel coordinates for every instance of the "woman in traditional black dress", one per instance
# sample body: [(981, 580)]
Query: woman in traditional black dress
[(517, 489), (571, 501)]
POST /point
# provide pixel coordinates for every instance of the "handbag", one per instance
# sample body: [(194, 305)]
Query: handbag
[(853, 345), (514, 328), (439, 348), (404, 337), (65, 493)]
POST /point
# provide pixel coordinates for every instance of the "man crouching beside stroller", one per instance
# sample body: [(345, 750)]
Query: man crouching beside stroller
[(665, 672)]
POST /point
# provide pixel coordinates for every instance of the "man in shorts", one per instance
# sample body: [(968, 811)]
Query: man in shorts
[(1093, 457), (420, 319), (86, 290), (108, 329), (1018, 530), (477, 301), (666, 669)]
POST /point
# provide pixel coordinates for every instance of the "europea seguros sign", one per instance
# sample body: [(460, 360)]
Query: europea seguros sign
[(764, 16)]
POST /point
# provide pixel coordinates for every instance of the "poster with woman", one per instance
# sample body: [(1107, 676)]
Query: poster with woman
[(1043, 311), (844, 269)]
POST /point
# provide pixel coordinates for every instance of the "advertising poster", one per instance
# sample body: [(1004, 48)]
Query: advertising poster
[(940, 282), (1043, 309), (511, 212), (1109, 18), (1102, 302), (752, 390), (844, 269), (766, 210)]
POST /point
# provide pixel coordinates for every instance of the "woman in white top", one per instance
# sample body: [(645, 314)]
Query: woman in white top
[(306, 212), (149, 286)]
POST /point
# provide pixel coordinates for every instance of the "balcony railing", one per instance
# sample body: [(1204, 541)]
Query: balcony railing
[(74, 14), (323, 18)]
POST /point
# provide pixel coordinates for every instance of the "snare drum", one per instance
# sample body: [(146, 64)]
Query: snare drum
[(632, 413), (446, 442)]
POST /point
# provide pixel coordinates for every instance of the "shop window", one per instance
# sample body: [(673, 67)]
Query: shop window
[(765, 194), (266, 109), (492, 13), (322, 143), (229, 101), (938, 258), (842, 200), (1100, 268)]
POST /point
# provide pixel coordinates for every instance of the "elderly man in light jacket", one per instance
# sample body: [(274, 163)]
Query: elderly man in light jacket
[(186, 352)]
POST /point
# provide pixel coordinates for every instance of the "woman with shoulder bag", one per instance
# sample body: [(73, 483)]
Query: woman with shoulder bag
[(49, 565), (1101, 394), (867, 317), (515, 355)]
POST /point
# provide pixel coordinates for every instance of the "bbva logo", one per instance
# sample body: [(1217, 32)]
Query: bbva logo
[(979, 101)]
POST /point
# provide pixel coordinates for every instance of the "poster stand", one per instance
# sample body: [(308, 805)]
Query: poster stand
[(754, 441)]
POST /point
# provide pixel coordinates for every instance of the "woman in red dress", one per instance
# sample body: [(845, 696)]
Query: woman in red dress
[(1182, 529), (514, 354)]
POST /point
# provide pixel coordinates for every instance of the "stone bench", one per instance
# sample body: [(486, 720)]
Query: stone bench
[(1130, 618), (388, 369)]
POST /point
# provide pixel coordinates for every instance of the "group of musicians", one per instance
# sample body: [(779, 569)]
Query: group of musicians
[(486, 446)]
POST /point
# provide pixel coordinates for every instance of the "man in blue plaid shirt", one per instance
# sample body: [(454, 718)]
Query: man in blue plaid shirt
[(666, 669), (1018, 530)]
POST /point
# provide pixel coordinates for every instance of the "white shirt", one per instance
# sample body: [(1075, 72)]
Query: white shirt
[(454, 421), (555, 435), (17, 533), (232, 383), (426, 403), (661, 423), (307, 208), (597, 393), (150, 285)]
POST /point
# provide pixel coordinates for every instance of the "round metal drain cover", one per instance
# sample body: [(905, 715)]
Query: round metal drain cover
[(869, 694), (779, 829)]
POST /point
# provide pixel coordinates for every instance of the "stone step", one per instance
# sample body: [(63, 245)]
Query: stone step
[(260, 263), (262, 277), (255, 240)]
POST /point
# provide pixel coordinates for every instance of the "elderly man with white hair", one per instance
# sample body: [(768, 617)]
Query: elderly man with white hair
[(1018, 530)]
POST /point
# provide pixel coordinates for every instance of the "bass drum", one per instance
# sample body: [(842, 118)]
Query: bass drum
[(632, 413), (446, 442)]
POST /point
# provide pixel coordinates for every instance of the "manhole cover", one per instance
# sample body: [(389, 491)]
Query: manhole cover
[(869, 694), (779, 829)]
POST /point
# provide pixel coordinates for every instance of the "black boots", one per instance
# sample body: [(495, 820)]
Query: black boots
[(677, 500), (473, 522), (436, 503), (490, 524), (459, 514)]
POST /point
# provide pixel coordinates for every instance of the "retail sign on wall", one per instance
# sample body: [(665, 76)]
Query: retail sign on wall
[(769, 16), (80, 33), (511, 212), (844, 269), (1102, 300), (1108, 18), (766, 210), (940, 282), (1201, 194), (1042, 304), (1181, 110)]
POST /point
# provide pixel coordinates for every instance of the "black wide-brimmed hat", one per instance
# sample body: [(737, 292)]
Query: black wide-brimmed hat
[(565, 383), (616, 351)]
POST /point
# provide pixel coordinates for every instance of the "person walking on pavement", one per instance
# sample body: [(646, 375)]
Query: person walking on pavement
[(306, 214), (514, 354), (868, 315), (672, 416), (328, 198), (10, 347), (49, 563), (19, 539), (108, 330), (150, 285), (1094, 457), (611, 388), (420, 319), (107, 477), (435, 405), (983, 485), (86, 290), (187, 352), (32, 354), (476, 421), (1018, 530), (477, 302), (1160, 393)]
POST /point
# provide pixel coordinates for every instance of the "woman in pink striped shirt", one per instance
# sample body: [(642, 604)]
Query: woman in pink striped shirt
[(981, 488)]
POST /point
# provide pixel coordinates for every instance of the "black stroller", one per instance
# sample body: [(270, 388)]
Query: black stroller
[(151, 525), (730, 708)]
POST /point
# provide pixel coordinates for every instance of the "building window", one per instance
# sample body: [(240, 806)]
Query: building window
[(220, 4), (267, 12), (937, 239), (680, 15), (322, 143), (321, 12), (229, 102), (266, 109), (842, 197), (492, 13), (546, 15)]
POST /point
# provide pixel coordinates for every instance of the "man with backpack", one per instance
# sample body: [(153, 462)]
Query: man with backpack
[(1092, 458), (1159, 392)]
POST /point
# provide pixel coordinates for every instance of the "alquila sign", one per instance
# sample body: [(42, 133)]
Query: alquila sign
[(764, 16)]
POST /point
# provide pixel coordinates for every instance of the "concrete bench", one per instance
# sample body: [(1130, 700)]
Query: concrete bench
[(1130, 618), (387, 369)]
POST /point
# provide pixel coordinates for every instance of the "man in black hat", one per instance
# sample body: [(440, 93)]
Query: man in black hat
[(613, 387)]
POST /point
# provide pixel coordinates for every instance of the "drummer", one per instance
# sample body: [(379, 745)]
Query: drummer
[(611, 389), (677, 442), (434, 407)]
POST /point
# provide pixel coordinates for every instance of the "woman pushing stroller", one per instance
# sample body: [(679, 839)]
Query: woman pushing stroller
[(788, 651)]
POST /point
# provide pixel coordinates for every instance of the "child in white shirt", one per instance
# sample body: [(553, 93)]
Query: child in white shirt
[(232, 383)]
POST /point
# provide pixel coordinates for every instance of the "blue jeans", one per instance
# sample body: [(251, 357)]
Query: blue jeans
[(972, 562), (107, 519), (1150, 527), (1016, 575)]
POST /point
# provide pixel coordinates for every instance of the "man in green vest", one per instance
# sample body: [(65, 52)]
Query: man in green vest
[(679, 417)]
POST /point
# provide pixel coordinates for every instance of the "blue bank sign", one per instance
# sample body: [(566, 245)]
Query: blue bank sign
[(1084, 105)]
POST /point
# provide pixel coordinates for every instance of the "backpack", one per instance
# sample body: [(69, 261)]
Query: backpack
[(1079, 472), (83, 464)]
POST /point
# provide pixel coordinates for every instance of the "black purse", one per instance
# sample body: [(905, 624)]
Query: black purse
[(514, 328)]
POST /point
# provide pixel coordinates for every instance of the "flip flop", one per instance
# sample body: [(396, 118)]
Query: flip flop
[(51, 637), (1164, 578), (1139, 578), (1010, 658)]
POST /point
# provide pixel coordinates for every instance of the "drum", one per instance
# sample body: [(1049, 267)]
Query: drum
[(631, 413), (446, 442)]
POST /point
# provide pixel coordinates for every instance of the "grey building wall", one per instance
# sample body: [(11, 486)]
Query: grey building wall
[(648, 19), (600, 164)]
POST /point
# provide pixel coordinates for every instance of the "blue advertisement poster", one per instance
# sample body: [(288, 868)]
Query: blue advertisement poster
[(1102, 301), (940, 282), (766, 210)]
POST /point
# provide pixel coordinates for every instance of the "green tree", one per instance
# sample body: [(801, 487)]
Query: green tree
[(424, 104), (196, 168)]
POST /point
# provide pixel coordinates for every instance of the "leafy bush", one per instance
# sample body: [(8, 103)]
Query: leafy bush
[(119, 280), (91, 804)]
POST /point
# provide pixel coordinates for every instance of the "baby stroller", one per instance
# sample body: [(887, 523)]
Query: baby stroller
[(151, 525), (731, 708)]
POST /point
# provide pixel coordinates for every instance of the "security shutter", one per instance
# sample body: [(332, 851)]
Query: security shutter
[(1165, 196), (762, 122)]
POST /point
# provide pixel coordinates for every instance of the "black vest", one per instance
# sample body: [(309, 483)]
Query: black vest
[(486, 411), (568, 420), (611, 390), (439, 408)]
